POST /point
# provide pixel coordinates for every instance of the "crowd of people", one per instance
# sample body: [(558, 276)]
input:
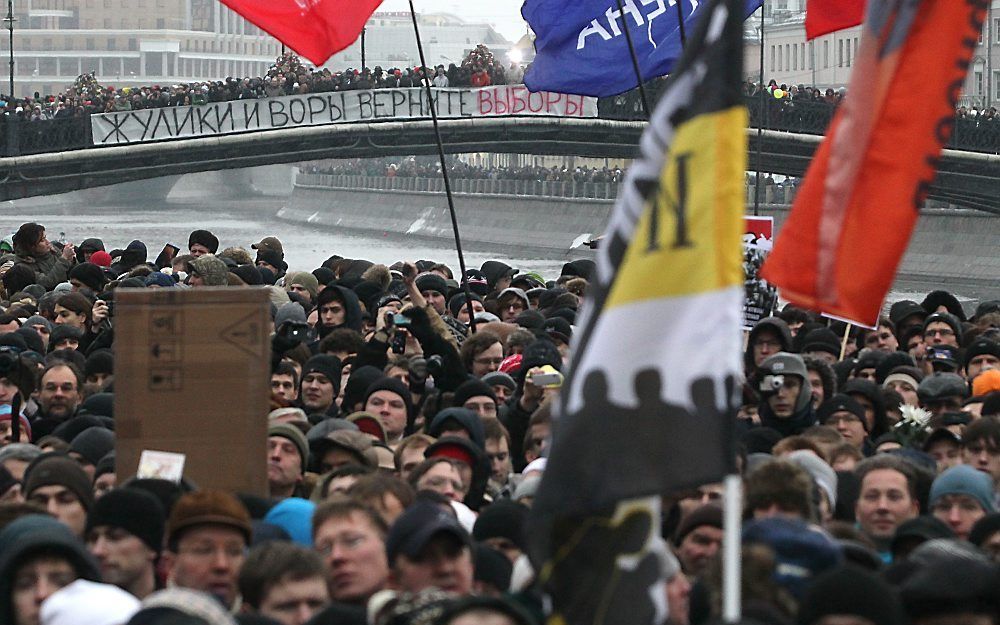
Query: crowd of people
[(404, 451), (287, 76), (458, 169)]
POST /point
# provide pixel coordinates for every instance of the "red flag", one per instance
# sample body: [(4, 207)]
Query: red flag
[(826, 16), (851, 222), (315, 29)]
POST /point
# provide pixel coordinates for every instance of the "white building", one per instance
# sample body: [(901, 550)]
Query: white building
[(162, 42), (390, 42), (827, 61)]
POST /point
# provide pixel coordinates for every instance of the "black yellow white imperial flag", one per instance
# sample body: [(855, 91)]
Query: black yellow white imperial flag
[(651, 394)]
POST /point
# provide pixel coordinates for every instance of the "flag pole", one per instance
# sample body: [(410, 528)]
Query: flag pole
[(444, 169), (635, 60), (760, 119), (680, 22), (843, 343), (732, 601)]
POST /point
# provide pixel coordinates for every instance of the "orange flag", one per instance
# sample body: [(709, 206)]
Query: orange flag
[(851, 223)]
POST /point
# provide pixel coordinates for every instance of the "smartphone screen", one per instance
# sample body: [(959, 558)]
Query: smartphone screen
[(167, 254)]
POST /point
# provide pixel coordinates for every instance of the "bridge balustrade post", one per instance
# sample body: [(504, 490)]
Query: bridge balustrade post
[(12, 136)]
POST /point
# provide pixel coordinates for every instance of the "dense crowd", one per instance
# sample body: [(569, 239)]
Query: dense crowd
[(287, 76), (404, 451), (429, 168)]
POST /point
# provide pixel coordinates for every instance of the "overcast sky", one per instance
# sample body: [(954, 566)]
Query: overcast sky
[(505, 15)]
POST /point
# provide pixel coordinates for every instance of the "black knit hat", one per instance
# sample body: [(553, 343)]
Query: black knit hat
[(841, 403), (457, 302), (503, 519), (329, 366), (135, 511), (62, 332), (56, 469), (93, 444), (206, 238), (99, 361), (851, 590), (432, 282), (386, 383), (980, 347), (355, 391), (90, 275), (472, 387)]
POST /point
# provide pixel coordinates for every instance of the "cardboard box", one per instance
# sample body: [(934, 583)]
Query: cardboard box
[(192, 376)]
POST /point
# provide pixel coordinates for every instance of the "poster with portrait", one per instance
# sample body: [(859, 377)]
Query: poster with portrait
[(760, 298)]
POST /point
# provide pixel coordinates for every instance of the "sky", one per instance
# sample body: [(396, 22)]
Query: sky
[(505, 15)]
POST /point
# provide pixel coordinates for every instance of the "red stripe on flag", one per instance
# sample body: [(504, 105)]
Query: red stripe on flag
[(852, 219), (315, 29), (826, 16)]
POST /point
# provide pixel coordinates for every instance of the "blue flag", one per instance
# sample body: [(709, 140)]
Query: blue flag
[(580, 45)]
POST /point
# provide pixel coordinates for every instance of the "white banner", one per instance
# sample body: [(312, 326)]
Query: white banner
[(334, 107)]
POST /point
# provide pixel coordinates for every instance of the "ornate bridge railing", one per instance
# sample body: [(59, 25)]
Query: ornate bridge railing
[(21, 137)]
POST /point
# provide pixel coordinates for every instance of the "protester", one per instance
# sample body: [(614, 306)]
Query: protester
[(402, 458)]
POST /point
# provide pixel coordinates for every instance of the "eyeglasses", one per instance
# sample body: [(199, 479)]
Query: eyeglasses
[(487, 361), (349, 543), (842, 418), (206, 551)]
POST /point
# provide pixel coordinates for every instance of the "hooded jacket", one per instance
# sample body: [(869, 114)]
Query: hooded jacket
[(352, 308), (31, 534), (774, 324)]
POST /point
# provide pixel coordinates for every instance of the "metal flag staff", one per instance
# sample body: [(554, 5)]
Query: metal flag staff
[(425, 80)]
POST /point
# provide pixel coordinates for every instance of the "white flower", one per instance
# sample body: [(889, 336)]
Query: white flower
[(914, 415)]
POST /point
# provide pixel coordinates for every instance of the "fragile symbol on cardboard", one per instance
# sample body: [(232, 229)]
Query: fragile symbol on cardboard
[(166, 379), (169, 323), (245, 335)]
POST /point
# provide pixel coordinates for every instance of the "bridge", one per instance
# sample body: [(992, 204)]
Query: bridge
[(47, 157)]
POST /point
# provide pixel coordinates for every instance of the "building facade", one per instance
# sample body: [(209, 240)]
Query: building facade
[(163, 42), (389, 41), (827, 61)]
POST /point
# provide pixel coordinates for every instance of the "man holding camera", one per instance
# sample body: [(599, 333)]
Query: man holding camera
[(782, 380)]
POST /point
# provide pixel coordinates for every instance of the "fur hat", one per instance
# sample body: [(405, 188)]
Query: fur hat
[(206, 238), (207, 507)]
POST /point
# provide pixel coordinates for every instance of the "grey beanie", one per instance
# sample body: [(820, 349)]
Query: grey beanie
[(290, 311), (964, 480), (93, 444)]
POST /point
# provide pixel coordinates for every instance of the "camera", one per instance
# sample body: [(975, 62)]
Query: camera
[(771, 383), (299, 331), (398, 344)]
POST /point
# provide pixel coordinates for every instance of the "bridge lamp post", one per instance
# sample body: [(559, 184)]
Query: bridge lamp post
[(10, 28)]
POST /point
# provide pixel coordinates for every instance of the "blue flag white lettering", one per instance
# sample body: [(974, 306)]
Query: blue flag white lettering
[(580, 45)]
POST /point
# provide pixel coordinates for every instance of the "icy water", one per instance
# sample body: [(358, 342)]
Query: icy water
[(241, 223)]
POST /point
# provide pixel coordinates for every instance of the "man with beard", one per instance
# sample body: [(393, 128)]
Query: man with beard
[(125, 534), (58, 397)]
